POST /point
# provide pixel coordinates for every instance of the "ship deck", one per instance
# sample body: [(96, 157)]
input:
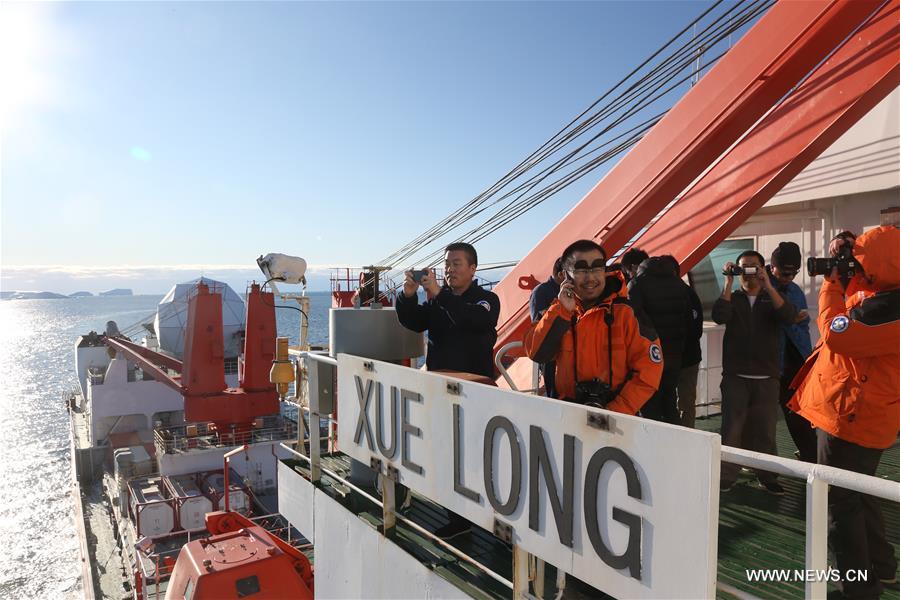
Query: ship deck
[(756, 531)]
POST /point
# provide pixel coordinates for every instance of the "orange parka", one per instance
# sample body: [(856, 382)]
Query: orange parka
[(637, 360), (850, 385)]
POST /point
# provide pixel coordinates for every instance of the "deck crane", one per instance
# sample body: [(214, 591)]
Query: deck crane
[(794, 83)]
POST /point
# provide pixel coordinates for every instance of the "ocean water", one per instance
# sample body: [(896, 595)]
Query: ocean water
[(37, 370)]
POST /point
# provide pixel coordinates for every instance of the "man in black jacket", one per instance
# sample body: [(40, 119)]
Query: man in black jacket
[(541, 298), (461, 320), (658, 294), (460, 317), (750, 363)]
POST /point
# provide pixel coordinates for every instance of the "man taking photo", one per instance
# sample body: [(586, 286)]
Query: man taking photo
[(750, 369), (850, 390), (603, 355), (461, 320)]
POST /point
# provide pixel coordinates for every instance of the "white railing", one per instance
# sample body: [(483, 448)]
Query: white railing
[(396, 516), (818, 479)]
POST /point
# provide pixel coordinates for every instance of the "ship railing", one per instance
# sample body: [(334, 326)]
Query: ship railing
[(185, 438), (314, 462), (818, 479)]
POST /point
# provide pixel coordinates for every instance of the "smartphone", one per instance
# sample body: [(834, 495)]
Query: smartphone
[(418, 274)]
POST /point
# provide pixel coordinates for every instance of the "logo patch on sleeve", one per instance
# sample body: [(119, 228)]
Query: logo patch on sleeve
[(484, 304), (655, 353), (839, 324)]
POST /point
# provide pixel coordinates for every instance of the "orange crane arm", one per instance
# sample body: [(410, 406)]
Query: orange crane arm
[(771, 58)]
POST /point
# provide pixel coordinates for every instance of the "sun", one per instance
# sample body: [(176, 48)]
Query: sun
[(25, 45)]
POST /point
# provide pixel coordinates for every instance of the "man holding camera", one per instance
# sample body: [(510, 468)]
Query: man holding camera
[(461, 320), (750, 368), (460, 316), (850, 390), (604, 356)]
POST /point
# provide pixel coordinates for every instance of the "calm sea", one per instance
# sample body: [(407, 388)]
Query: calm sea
[(37, 367)]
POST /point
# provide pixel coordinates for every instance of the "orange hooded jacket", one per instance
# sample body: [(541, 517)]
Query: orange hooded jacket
[(850, 385), (635, 351)]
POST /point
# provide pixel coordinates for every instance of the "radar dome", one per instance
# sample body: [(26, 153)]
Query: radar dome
[(172, 314)]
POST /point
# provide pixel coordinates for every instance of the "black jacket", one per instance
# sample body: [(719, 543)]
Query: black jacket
[(751, 335), (461, 329), (692, 353), (657, 292)]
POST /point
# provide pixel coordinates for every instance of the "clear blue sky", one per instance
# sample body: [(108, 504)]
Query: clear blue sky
[(142, 137)]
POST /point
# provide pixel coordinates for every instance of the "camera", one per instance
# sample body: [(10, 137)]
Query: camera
[(594, 392), (739, 270), (418, 274), (846, 266), (844, 262)]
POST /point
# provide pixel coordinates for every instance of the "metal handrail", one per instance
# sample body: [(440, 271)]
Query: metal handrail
[(450, 548), (818, 478), (497, 363)]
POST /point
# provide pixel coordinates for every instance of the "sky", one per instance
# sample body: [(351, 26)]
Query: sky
[(145, 143)]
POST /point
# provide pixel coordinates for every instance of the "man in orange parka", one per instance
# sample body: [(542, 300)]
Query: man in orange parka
[(850, 390), (592, 328)]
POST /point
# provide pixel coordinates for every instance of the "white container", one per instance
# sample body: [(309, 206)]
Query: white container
[(192, 505), (153, 513), (213, 484)]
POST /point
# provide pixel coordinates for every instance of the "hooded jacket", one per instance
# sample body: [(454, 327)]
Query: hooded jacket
[(637, 360), (657, 292), (850, 385)]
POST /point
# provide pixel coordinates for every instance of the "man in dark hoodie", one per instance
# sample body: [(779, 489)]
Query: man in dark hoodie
[(657, 293)]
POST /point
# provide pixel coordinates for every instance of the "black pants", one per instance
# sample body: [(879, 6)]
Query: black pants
[(855, 524), (749, 412), (801, 431), (663, 405)]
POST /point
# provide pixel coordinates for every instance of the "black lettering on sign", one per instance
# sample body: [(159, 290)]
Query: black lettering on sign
[(539, 464), (458, 485), (515, 488), (631, 558), (406, 429), (362, 425), (388, 451)]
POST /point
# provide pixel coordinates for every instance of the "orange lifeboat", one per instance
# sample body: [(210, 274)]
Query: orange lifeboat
[(239, 559)]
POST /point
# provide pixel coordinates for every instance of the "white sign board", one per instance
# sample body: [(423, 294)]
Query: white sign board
[(631, 510)]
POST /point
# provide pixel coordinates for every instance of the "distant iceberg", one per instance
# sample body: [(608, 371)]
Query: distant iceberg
[(118, 292)]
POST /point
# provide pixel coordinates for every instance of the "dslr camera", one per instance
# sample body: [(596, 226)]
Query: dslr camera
[(739, 270), (846, 264), (594, 392)]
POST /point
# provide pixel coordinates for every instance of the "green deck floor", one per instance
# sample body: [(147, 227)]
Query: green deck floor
[(756, 531)]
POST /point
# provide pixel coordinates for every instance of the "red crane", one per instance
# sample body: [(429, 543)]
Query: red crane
[(202, 379), (733, 120)]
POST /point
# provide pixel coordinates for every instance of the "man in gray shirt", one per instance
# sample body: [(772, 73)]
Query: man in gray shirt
[(750, 363)]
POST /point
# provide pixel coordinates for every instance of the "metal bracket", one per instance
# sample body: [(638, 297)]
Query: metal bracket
[(598, 421), (503, 531), (369, 365), (393, 473), (375, 463), (453, 388)]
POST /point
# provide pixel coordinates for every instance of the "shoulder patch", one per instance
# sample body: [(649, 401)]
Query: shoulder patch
[(655, 353), (484, 304), (839, 323)]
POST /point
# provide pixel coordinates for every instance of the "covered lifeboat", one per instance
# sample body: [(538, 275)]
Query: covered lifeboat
[(239, 559)]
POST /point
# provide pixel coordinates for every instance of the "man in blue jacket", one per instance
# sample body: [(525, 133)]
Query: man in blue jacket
[(541, 298), (794, 343)]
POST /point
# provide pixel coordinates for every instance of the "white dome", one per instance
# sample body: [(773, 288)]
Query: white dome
[(172, 314)]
